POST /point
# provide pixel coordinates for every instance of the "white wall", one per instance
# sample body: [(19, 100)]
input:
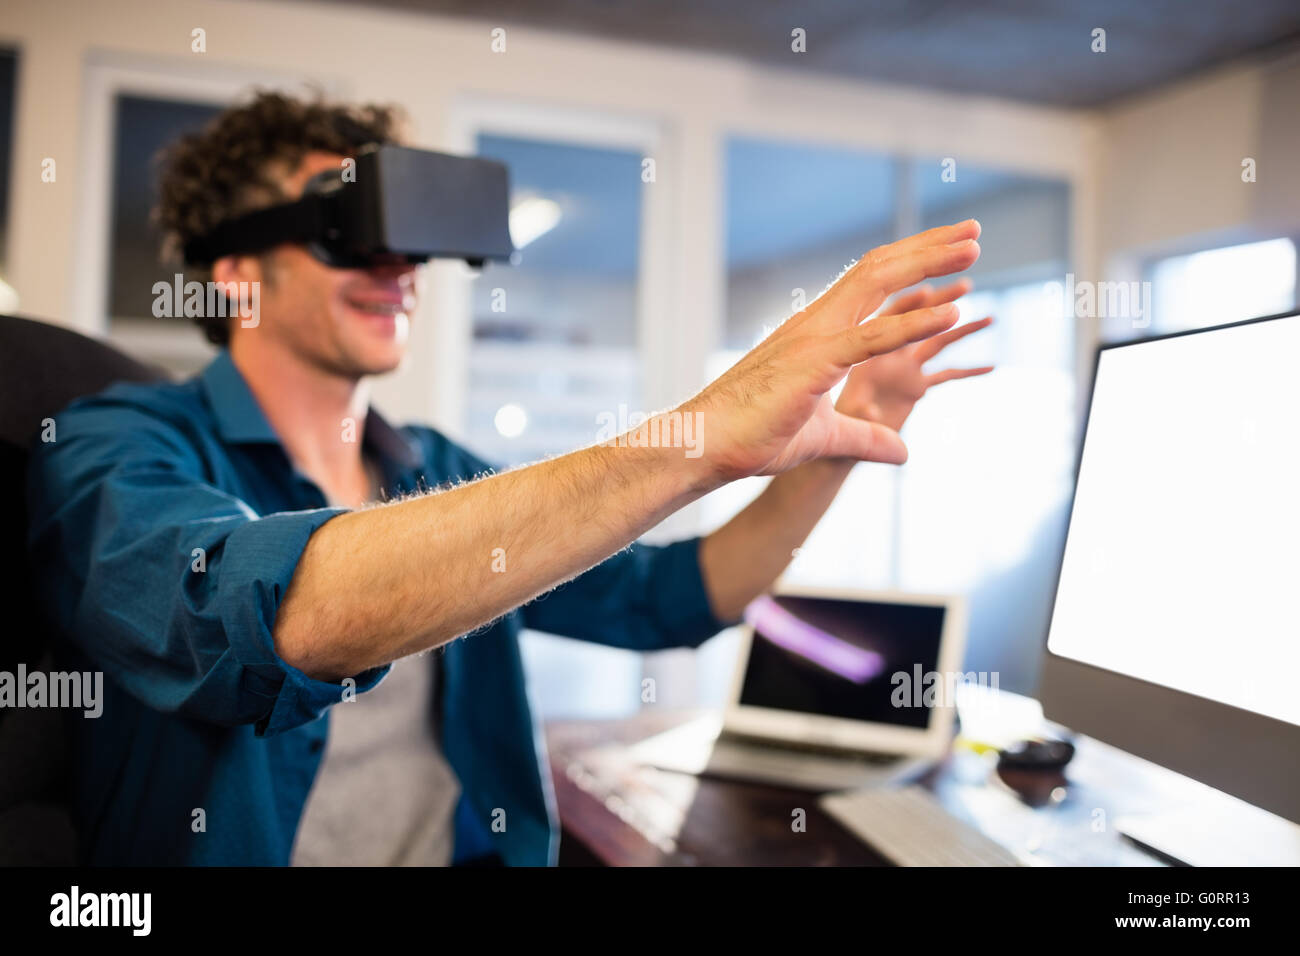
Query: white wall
[(1170, 163)]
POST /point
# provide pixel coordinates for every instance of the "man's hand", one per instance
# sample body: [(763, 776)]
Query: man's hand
[(886, 388), (771, 412)]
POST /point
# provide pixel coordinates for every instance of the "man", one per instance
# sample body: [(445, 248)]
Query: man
[(213, 548)]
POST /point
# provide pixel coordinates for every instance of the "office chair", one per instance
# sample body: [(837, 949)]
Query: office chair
[(42, 368)]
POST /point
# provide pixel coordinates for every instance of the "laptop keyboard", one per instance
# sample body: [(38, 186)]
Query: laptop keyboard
[(806, 768), (777, 747)]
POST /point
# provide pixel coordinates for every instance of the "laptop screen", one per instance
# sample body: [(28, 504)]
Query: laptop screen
[(835, 657)]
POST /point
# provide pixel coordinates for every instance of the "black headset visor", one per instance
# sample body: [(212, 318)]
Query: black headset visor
[(394, 204)]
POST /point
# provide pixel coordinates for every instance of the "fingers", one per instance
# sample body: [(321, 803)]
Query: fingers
[(866, 273), (888, 269), (952, 374), (926, 295), (939, 236), (950, 292), (930, 349), (915, 265), (889, 332), (865, 441)]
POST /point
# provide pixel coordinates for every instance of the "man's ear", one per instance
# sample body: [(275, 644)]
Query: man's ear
[(236, 269), (239, 277)]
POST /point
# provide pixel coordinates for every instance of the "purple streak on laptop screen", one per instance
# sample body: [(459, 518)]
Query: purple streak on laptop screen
[(784, 629)]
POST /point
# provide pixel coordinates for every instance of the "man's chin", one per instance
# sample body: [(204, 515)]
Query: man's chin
[(381, 346), (370, 362), (371, 357)]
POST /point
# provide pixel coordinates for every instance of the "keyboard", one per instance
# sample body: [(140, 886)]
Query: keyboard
[(698, 748), (909, 827), (731, 738)]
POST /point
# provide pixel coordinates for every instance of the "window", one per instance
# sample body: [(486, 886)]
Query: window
[(143, 126), (554, 356), (555, 333), (1223, 285), (795, 215), (982, 500), (980, 506)]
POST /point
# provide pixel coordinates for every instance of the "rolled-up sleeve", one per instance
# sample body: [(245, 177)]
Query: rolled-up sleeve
[(645, 597), (166, 582)]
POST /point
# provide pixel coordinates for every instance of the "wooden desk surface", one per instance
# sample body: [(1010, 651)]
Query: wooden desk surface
[(617, 812)]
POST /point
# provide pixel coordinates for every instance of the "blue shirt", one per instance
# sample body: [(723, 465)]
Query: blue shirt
[(166, 523)]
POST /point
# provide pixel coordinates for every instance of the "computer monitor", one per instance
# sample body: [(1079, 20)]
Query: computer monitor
[(1175, 633)]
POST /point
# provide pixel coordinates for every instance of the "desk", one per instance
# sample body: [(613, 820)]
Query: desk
[(616, 812)]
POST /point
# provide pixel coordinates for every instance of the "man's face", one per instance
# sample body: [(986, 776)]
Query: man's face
[(351, 322)]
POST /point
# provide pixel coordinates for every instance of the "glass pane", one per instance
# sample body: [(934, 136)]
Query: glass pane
[(982, 498), (1223, 285), (981, 502), (554, 355), (142, 128), (795, 215), (555, 333), (1025, 218)]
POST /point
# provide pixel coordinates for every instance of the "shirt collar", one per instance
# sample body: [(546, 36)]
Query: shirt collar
[(389, 443), (240, 420)]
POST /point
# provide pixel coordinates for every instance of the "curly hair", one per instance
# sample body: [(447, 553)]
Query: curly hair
[(231, 166)]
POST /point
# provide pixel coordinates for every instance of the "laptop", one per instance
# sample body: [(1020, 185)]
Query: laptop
[(832, 690)]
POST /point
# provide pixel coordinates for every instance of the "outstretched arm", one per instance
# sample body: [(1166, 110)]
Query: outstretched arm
[(379, 584)]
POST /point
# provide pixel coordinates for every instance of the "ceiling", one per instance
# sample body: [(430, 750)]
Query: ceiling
[(1030, 50)]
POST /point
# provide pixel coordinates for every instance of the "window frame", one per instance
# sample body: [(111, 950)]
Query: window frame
[(474, 115), (1147, 268), (108, 76)]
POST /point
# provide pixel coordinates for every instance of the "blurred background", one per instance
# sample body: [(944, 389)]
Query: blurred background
[(684, 176)]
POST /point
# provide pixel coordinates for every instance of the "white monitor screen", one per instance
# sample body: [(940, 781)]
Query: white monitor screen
[(1182, 563)]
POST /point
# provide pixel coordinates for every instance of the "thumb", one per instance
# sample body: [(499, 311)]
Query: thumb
[(865, 441)]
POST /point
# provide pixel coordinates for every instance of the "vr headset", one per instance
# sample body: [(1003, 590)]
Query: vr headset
[(403, 205)]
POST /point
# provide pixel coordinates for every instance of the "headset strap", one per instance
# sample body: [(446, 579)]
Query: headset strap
[(303, 220)]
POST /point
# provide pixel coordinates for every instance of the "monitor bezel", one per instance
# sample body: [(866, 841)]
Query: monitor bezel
[(1237, 751)]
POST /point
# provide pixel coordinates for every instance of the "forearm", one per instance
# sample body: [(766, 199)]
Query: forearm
[(742, 558), (379, 584)]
